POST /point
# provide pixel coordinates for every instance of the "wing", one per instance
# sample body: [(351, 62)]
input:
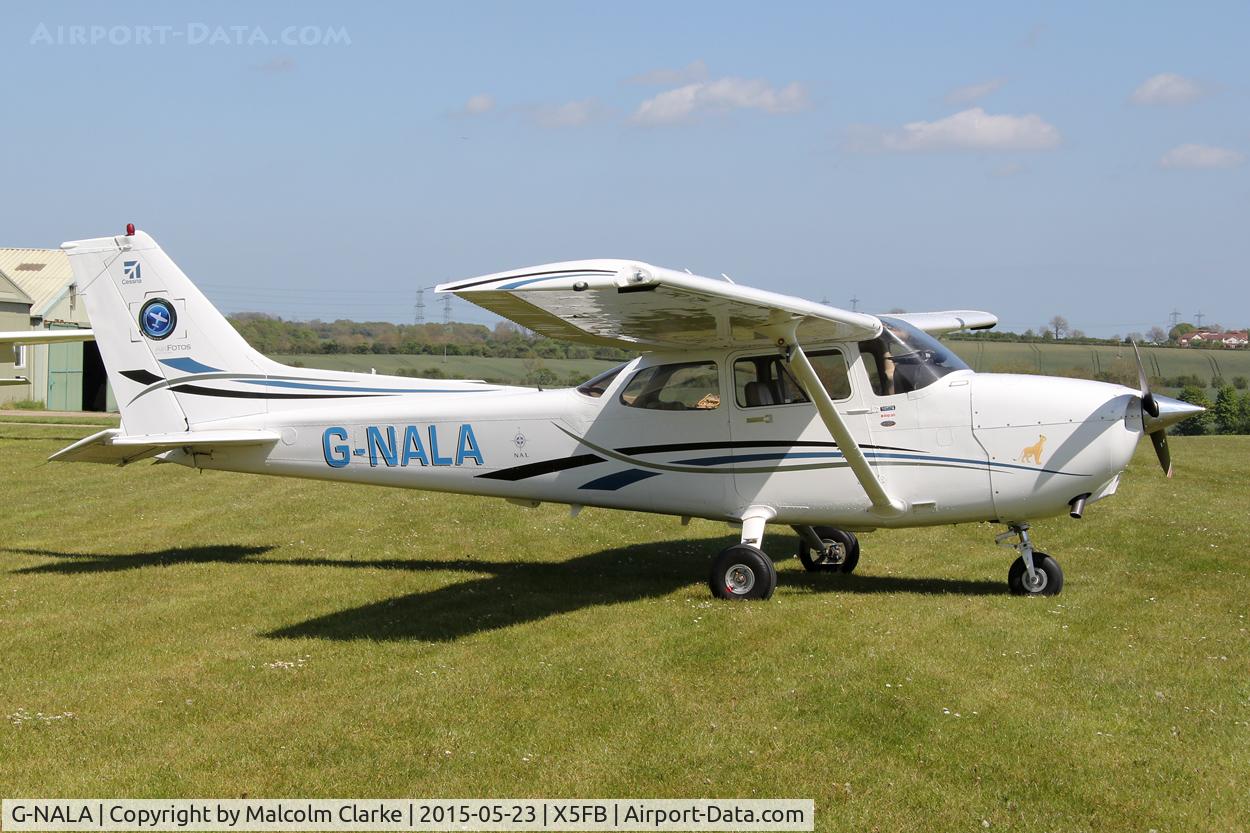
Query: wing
[(635, 305), (45, 336), (939, 323)]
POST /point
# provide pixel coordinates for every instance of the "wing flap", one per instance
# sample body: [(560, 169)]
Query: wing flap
[(639, 306), (114, 447)]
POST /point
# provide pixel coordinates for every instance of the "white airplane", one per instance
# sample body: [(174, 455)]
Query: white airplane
[(745, 406)]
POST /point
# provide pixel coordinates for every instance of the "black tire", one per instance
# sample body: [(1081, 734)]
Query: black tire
[(1048, 573), (850, 546), (743, 572)]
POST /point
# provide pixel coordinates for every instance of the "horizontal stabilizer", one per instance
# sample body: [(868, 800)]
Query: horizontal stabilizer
[(46, 336), (112, 446)]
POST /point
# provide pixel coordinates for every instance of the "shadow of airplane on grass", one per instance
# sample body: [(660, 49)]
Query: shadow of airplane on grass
[(512, 592), (85, 562)]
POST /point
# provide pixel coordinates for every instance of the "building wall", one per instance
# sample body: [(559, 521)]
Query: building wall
[(15, 317)]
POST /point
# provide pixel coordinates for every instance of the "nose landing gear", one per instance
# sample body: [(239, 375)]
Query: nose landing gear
[(1033, 573)]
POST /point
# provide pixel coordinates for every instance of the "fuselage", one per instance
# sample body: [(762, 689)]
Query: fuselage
[(715, 434)]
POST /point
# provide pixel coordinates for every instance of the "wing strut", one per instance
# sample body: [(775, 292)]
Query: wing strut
[(796, 359)]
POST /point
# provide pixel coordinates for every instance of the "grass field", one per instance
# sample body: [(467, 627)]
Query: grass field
[(170, 633), (1014, 357)]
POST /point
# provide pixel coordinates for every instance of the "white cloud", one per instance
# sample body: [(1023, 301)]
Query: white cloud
[(688, 103), (972, 129), (1167, 88), (478, 104), (974, 92), (1199, 157), (689, 74), (569, 114)]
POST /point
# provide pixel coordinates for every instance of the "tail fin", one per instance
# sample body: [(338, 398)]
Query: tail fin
[(153, 327)]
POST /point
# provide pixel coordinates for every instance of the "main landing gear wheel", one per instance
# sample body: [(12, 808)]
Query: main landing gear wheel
[(841, 551), (1047, 577), (743, 572)]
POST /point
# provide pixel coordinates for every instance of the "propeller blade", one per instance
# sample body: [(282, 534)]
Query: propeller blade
[(1160, 441), (1158, 414), (1147, 398)]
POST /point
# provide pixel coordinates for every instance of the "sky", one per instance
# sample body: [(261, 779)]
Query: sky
[(327, 160)]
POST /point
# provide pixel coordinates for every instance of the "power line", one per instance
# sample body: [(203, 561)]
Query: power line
[(447, 309), (1199, 316), (1175, 317), (418, 311)]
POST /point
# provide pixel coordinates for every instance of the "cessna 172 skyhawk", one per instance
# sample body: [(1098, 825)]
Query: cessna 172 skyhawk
[(745, 406)]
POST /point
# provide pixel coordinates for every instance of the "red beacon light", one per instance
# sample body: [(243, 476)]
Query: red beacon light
[(130, 229)]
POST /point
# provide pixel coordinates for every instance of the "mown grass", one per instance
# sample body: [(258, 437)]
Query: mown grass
[(103, 420), (228, 635)]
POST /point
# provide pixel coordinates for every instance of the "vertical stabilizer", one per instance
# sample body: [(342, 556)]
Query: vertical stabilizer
[(154, 327)]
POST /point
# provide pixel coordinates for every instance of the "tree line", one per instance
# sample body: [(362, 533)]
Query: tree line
[(274, 336), (1228, 414), (1058, 329)]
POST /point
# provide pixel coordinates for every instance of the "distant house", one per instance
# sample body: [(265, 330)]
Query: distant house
[(37, 292), (1231, 340)]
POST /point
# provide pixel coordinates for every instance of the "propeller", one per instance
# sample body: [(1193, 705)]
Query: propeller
[(1159, 412)]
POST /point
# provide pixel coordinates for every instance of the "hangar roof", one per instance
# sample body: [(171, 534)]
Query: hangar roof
[(42, 274), (11, 293)]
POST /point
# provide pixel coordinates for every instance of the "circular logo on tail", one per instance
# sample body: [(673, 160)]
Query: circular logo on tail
[(157, 319)]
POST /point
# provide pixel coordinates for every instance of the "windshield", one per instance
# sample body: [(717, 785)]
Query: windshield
[(905, 358), (599, 385)]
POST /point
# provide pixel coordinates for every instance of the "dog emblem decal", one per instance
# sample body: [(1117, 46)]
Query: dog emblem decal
[(1034, 452)]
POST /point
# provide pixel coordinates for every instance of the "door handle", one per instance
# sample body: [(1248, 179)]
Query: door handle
[(765, 418)]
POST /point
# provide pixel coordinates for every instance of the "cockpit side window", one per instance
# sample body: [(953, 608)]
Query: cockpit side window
[(904, 358), (764, 380), (689, 386)]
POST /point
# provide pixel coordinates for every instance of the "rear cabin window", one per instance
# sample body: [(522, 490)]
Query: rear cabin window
[(760, 381), (690, 386)]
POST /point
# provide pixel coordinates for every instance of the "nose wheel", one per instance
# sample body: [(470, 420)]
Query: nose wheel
[(1047, 578), (1033, 573)]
